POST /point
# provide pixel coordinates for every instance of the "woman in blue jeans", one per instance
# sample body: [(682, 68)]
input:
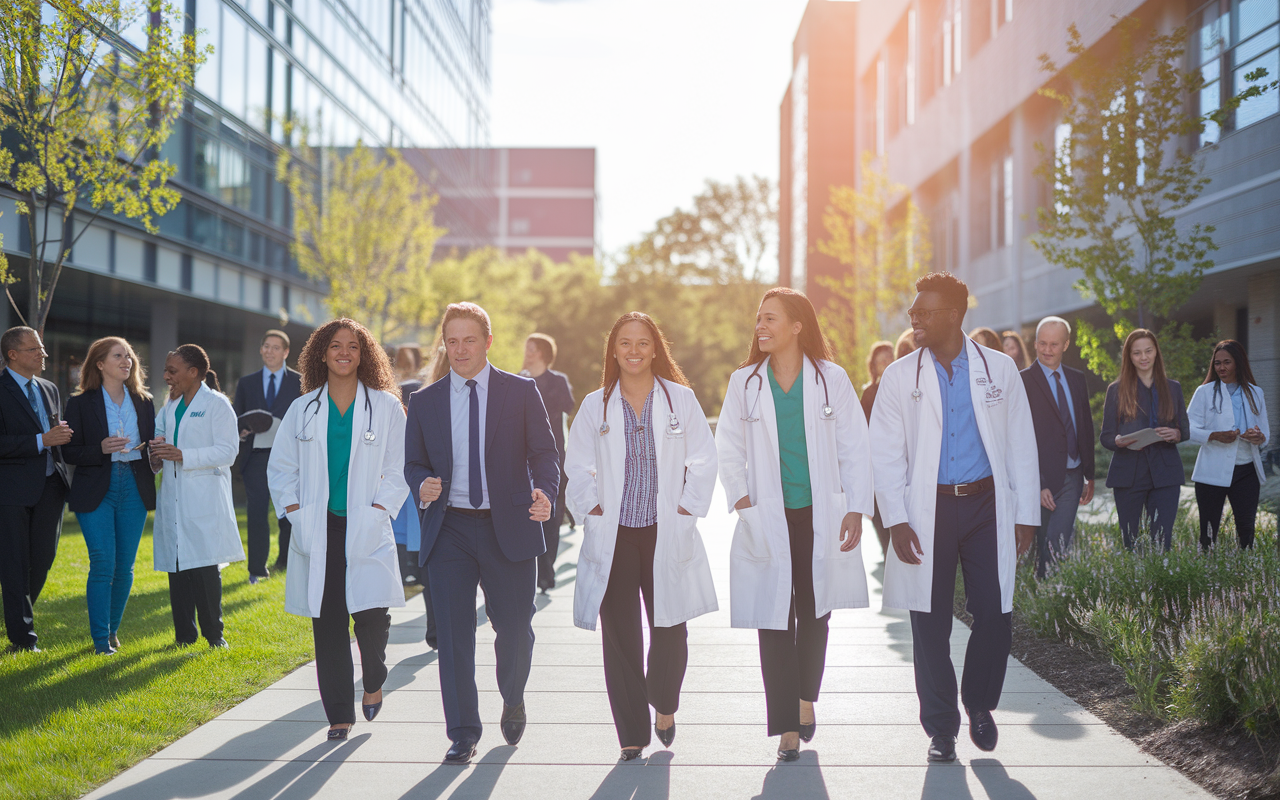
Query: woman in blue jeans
[(113, 418)]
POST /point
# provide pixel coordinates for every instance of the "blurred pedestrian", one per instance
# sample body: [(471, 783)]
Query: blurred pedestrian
[(640, 485), (195, 524), (338, 472), (557, 396), (113, 418), (1060, 410), (35, 480), (989, 339), (407, 359), (795, 464), (270, 389), (1015, 348), (1228, 418), (905, 345), (1143, 420), (880, 357)]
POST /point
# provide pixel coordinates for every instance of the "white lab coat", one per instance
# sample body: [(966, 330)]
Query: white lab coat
[(298, 473), (596, 465), (1216, 461), (840, 476), (195, 524), (908, 445)]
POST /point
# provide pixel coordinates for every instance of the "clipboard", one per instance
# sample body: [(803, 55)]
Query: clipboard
[(1142, 438)]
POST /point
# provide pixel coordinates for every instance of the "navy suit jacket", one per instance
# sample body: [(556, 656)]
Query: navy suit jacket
[(22, 463), (1162, 458), (1051, 434), (519, 456)]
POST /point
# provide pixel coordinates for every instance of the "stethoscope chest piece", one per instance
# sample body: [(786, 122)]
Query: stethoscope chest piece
[(604, 427), (673, 425), (828, 412), (915, 395), (370, 437)]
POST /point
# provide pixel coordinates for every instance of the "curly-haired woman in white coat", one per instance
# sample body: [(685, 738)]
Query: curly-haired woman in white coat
[(336, 468)]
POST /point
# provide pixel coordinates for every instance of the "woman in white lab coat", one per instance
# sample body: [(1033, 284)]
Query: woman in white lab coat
[(195, 526), (641, 466), (337, 468), (1228, 417), (795, 464)]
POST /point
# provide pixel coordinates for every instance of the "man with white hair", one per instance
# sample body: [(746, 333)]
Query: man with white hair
[(1064, 437)]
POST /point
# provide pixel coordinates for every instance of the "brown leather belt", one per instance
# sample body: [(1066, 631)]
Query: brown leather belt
[(967, 489), (480, 513)]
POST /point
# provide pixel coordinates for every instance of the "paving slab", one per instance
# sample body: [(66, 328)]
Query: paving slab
[(869, 742)]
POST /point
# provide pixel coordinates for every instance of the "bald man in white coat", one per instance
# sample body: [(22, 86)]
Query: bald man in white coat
[(957, 481)]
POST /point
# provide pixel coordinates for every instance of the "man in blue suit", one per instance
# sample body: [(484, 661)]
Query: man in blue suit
[(481, 459)]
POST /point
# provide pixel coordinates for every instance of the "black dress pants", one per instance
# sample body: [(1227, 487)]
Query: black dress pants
[(631, 688), (335, 671), (28, 545), (964, 531), (196, 593), (1243, 493), (258, 497), (1160, 504), (793, 660)]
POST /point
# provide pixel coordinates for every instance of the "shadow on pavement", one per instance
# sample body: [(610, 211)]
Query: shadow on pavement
[(299, 779), (642, 779), (996, 782), (801, 778), (946, 782), (478, 785)]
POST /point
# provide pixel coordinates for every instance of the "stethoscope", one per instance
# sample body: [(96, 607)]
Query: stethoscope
[(916, 393), (303, 436), (673, 422), (828, 413)]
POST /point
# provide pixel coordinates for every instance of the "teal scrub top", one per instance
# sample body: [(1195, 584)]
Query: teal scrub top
[(177, 419), (793, 450), (339, 442)]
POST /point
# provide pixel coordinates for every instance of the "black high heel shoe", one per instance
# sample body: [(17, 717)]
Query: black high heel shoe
[(338, 734), (807, 731), (371, 710), (665, 735), (631, 753), (789, 755)]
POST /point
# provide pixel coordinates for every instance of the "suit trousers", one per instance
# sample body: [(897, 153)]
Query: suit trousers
[(964, 532), (335, 672), (466, 554), (1058, 527), (631, 688), (1243, 493), (551, 535), (196, 593), (28, 545), (1159, 502), (258, 498), (792, 661)]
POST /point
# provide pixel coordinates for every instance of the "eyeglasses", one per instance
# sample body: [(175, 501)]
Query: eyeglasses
[(31, 350), (924, 313)]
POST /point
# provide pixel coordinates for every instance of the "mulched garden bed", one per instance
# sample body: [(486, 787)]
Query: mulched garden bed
[(1227, 761)]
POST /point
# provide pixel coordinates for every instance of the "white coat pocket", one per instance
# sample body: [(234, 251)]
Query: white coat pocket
[(368, 531), (686, 534), (749, 539), (592, 550), (835, 518)]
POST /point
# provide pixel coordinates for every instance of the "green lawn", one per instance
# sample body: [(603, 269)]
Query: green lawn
[(70, 720)]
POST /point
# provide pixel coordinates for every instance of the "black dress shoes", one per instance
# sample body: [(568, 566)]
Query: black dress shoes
[(942, 748), (338, 734), (982, 730), (789, 755), (665, 735), (807, 731), (631, 753), (513, 720), (371, 709), (460, 752)]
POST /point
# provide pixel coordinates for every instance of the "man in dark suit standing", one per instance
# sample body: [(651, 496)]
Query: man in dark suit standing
[(557, 398), (34, 478), (1064, 435), (272, 388), (480, 458)]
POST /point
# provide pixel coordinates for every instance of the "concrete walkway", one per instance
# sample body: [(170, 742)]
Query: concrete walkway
[(868, 744)]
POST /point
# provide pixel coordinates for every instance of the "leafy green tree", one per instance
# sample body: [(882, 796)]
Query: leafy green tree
[(883, 240), (365, 224), (83, 117), (1120, 178)]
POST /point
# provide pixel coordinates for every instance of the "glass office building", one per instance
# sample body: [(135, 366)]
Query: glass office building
[(390, 73)]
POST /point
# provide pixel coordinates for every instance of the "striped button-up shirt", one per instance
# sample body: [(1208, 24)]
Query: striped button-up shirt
[(640, 479)]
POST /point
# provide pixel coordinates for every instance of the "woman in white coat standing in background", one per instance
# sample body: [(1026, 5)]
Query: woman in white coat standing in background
[(195, 526), (1228, 417), (795, 464), (641, 466), (336, 469)]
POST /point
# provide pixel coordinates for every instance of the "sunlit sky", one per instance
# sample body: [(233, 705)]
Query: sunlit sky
[(670, 92)]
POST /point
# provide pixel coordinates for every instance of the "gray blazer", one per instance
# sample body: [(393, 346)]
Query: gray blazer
[(1162, 457)]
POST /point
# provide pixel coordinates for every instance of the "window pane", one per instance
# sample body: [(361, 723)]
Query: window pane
[(1254, 15), (259, 114), (233, 59), (1264, 105), (1257, 45), (208, 23)]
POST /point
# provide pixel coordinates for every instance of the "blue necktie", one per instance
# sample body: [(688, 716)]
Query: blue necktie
[(473, 449), (35, 404), (1064, 413), (271, 391)]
